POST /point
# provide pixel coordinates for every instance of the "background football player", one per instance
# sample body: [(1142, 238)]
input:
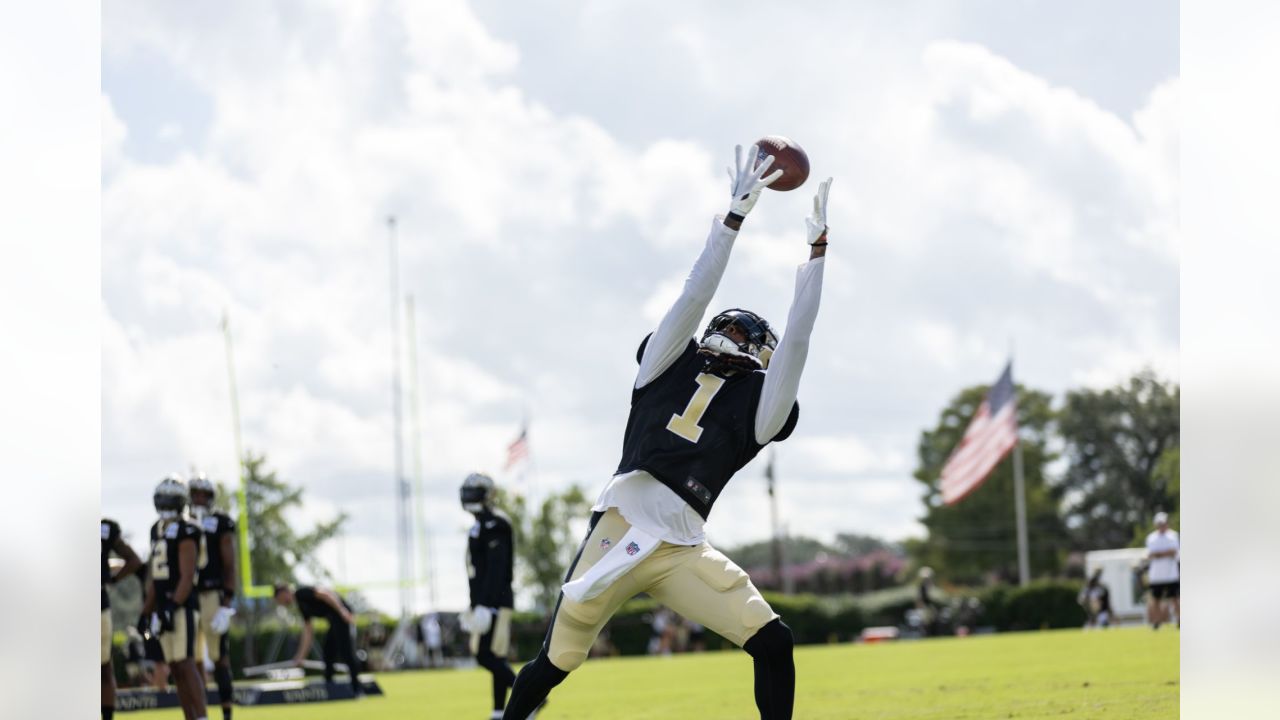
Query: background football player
[(338, 642), (169, 608), (700, 410), (112, 542), (490, 558), (216, 582)]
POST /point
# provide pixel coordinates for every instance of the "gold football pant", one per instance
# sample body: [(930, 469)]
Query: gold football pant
[(106, 636), (180, 643), (696, 581), (215, 644)]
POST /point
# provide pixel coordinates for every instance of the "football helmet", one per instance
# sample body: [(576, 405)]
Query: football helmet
[(477, 492), (723, 353), (171, 497), (200, 482)]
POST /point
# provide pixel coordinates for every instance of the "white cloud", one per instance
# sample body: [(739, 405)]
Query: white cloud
[(974, 203)]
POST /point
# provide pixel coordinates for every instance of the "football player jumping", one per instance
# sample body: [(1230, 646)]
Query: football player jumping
[(700, 410), (169, 609), (216, 582)]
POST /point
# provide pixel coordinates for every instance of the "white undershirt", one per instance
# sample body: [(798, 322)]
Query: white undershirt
[(641, 498), (1162, 569)]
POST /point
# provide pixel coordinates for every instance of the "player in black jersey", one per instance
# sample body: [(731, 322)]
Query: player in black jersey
[(339, 641), (169, 609), (112, 542), (700, 410), (490, 558), (216, 582)]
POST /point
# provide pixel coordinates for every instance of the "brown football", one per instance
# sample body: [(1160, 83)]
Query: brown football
[(788, 157)]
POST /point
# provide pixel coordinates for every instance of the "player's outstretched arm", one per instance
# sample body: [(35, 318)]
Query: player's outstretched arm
[(132, 563), (782, 381), (746, 182)]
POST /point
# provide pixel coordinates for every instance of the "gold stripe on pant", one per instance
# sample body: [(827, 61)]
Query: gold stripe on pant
[(696, 581)]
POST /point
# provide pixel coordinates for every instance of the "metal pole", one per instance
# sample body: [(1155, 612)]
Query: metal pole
[(401, 487), (242, 493), (1020, 505), (776, 545), (425, 561)]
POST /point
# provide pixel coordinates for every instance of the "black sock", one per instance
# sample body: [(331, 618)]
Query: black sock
[(503, 678), (226, 712), (107, 712), (532, 686), (222, 676), (775, 670)]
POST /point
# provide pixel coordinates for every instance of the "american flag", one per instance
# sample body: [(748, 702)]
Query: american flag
[(990, 436), (518, 449)]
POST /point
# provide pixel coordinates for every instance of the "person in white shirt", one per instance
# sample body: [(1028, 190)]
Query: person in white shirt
[(1163, 573), (701, 409)]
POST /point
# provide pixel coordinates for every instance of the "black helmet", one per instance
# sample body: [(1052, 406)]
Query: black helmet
[(171, 497), (752, 353), (477, 492)]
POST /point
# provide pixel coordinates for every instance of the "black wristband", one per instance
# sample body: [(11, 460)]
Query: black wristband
[(734, 216)]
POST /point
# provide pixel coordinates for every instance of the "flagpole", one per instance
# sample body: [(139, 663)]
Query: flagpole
[(403, 546), (1020, 503)]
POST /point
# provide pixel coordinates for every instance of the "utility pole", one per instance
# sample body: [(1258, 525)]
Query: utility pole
[(776, 544)]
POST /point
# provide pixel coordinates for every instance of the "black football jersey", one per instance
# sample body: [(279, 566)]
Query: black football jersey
[(490, 559), (166, 535), (210, 561), (110, 534), (693, 430)]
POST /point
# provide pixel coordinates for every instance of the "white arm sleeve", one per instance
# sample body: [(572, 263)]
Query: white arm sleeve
[(681, 321), (782, 379)]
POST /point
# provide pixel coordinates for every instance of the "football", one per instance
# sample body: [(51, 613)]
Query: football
[(788, 157)]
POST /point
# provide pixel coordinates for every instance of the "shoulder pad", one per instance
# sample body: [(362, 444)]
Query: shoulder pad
[(209, 524)]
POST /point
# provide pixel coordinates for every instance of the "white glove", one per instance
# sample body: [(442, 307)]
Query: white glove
[(481, 619), (156, 625), (817, 223), (221, 621), (745, 184)]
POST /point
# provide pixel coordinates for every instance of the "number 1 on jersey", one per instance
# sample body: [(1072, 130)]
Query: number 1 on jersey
[(686, 423)]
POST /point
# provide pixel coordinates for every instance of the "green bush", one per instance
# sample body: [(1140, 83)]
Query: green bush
[(1042, 604)]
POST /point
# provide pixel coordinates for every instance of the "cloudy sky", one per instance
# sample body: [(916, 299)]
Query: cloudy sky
[(1005, 176)]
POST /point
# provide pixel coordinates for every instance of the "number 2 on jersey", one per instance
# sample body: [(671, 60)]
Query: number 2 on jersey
[(686, 423)]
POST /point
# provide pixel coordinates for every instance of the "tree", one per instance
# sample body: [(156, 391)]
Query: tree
[(275, 548), (546, 542), (1115, 440), (796, 549), (977, 537)]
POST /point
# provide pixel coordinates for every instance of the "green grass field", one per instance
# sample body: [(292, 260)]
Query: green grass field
[(1128, 673)]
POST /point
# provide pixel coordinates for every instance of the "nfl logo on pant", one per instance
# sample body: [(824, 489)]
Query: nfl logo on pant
[(632, 548)]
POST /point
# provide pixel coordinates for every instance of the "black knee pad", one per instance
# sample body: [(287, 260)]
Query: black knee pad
[(771, 640)]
